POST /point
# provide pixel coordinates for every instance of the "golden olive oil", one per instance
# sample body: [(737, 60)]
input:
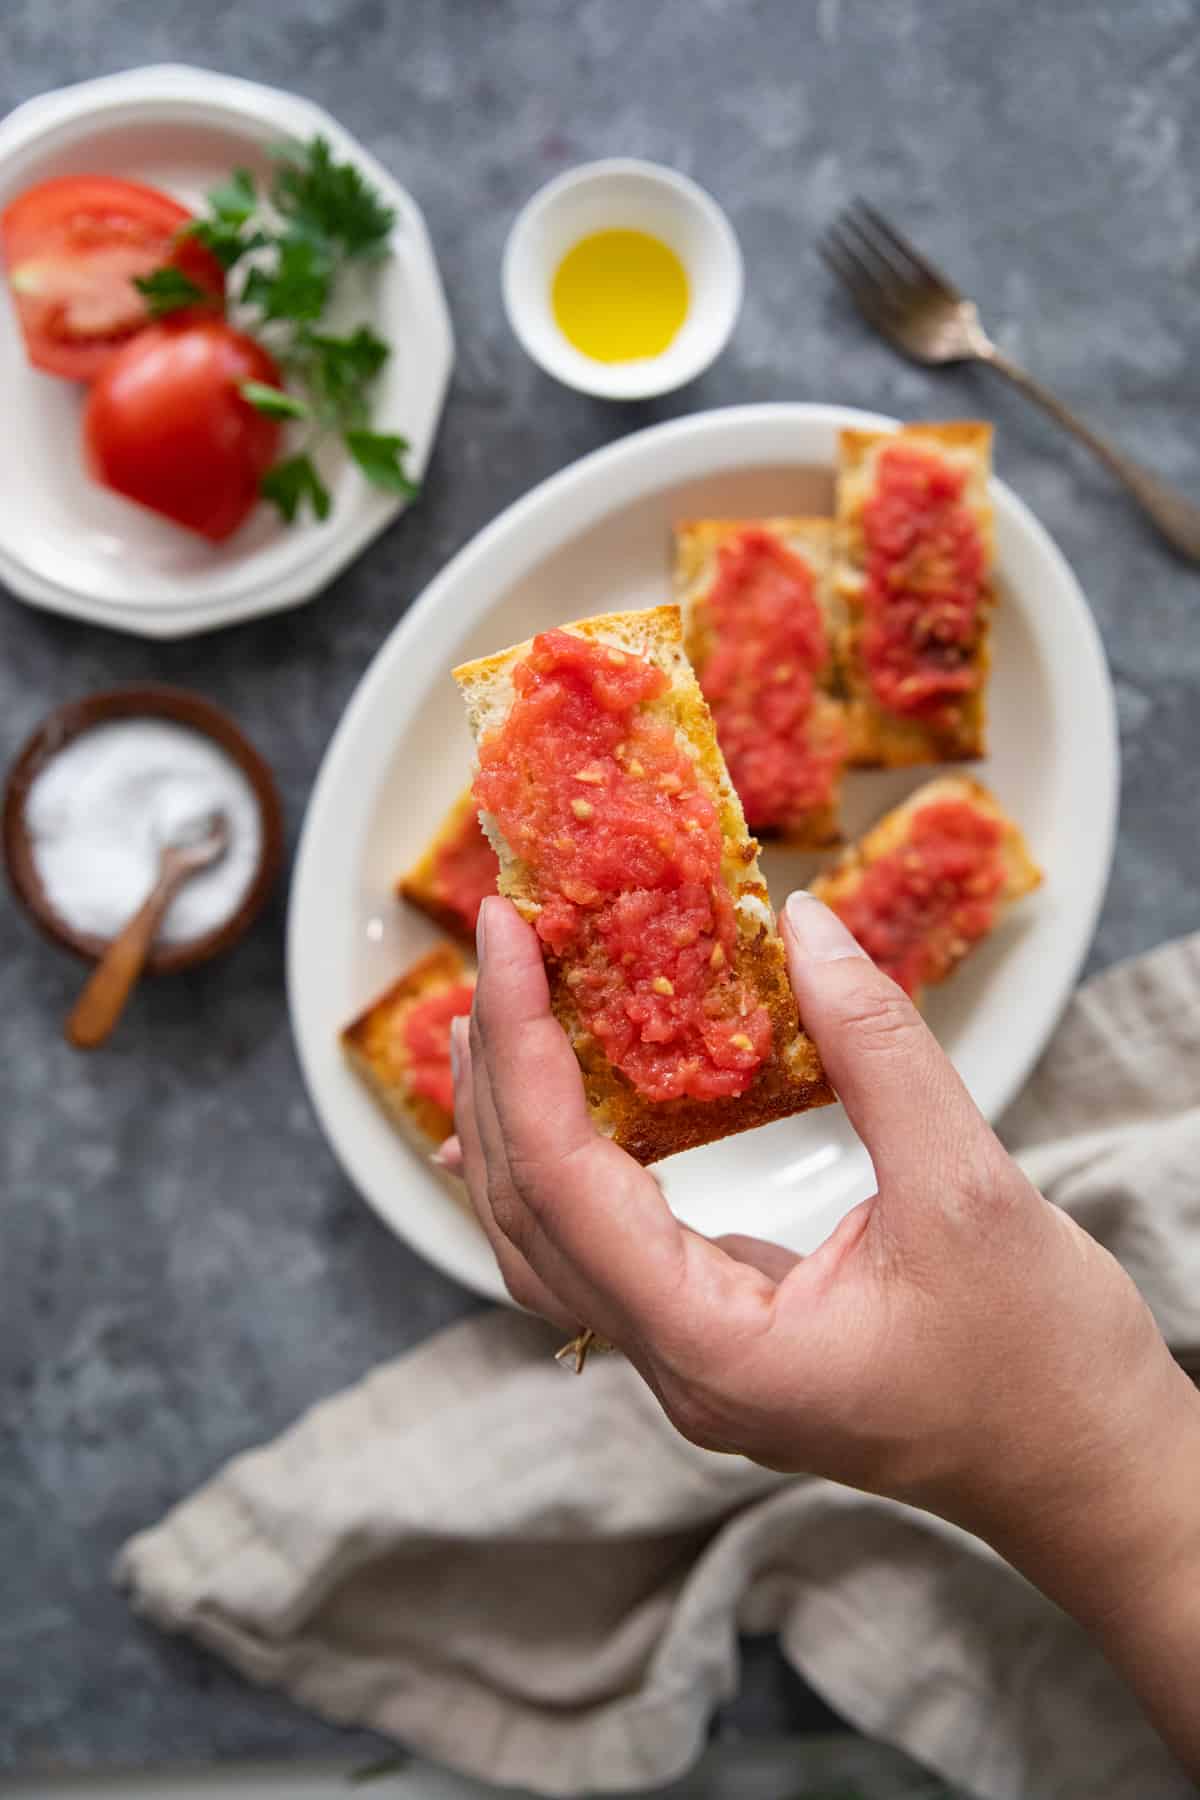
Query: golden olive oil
[(620, 296)]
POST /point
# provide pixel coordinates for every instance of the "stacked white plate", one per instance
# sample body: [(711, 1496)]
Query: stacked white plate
[(71, 546)]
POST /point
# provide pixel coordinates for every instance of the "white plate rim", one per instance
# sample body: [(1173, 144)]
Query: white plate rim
[(231, 100), (530, 529)]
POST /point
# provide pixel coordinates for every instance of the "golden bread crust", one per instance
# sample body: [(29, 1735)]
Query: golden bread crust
[(878, 738), (792, 1080), (374, 1044)]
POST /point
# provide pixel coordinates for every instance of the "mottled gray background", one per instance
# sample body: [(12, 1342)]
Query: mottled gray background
[(184, 1268)]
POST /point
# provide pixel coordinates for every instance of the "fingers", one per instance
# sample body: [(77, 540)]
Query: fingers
[(903, 1095), (448, 1156), (537, 1087), (482, 1173), (518, 1222), (592, 1224)]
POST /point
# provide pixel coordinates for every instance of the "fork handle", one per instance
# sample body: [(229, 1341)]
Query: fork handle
[(1177, 518)]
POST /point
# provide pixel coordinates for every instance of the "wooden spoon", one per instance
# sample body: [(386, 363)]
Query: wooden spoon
[(112, 980)]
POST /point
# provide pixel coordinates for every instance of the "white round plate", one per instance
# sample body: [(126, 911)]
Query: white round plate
[(593, 539), (71, 546)]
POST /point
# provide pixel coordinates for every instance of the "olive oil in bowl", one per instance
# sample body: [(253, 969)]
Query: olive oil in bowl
[(619, 296), (622, 279)]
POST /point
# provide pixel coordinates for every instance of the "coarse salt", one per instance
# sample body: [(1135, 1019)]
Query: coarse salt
[(104, 807)]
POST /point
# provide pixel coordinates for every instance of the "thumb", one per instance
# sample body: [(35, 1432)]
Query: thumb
[(903, 1095)]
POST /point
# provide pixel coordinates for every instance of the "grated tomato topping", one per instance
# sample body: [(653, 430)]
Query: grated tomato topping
[(924, 590), (760, 680), (465, 871), (918, 910), (426, 1031), (600, 798)]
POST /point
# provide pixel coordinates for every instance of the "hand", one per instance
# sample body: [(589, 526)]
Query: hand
[(957, 1343)]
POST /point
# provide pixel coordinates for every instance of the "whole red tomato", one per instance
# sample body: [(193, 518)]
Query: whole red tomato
[(166, 424)]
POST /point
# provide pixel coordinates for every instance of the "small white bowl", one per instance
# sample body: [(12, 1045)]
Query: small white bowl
[(623, 194)]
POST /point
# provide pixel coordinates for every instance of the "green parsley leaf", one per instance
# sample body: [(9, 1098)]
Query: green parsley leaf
[(273, 401), (358, 357), (297, 288), (293, 481), (228, 242), (234, 201), (168, 289), (339, 370), (330, 200), (380, 457)]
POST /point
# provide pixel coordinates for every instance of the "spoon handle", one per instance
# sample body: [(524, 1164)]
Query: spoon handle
[(112, 980)]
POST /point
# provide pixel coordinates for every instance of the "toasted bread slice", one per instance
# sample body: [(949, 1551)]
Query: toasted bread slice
[(791, 1079), (697, 546), (454, 873), (879, 737), (1021, 874), (377, 1048)]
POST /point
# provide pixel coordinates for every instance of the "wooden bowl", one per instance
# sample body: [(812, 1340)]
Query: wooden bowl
[(68, 722)]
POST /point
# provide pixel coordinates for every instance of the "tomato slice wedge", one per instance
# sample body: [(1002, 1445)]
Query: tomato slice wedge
[(72, 248)]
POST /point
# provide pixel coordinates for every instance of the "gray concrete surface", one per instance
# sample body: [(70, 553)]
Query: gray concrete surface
[(183, 1267)]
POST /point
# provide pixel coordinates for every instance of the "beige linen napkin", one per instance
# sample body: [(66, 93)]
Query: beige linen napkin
[(532, 1578)]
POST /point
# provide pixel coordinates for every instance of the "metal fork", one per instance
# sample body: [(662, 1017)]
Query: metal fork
[(912, 304)]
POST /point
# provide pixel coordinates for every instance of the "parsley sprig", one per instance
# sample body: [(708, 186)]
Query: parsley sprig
[(291, 241), (167, 289)]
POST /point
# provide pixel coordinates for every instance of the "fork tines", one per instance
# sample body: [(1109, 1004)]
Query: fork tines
[(883, 271)]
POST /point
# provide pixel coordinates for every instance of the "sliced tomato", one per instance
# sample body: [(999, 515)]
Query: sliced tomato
[(166, 424), (72, 249)]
